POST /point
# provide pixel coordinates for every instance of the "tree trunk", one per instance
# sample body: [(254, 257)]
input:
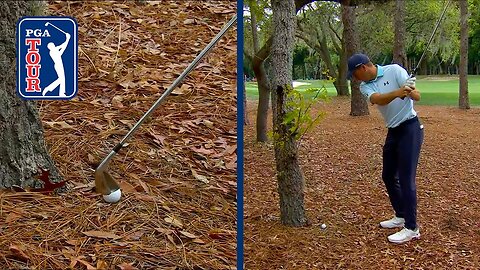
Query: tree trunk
[(399, 55), (463, 101), (263, 96), (342, 81), (359, 105), (262, 81), (289, 175), (22, 147)]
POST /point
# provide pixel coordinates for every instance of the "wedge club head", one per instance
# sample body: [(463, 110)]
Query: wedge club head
[(104, 183)]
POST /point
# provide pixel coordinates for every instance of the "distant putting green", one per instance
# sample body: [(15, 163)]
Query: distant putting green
[(435, 90)]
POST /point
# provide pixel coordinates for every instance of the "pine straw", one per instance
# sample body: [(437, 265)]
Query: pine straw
[(341, 161), (177, 174)]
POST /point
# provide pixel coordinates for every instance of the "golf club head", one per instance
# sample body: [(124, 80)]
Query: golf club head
[(104, 183), (47, 23)]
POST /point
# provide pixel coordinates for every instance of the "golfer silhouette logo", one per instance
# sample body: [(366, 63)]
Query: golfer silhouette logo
[(47, 57)]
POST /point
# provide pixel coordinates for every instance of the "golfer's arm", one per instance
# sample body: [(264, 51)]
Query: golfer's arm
[(64, 45), (415, 95), (383, 99)]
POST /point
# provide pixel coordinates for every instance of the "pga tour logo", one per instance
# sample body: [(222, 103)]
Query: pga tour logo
[(47, 57)]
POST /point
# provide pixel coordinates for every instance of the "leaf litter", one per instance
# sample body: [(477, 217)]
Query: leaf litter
[(128, 55), (341, 161)]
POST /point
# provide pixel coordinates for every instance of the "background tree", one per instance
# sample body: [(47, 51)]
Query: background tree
[(22, 146), (378, 40), (359, 105), (319, 27), (399, 54), (289, 175), (474, 37), (463, 100), (257, 58), (443, 52)]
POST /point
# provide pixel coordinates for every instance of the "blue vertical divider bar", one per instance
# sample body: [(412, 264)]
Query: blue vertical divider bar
[(240, 122)]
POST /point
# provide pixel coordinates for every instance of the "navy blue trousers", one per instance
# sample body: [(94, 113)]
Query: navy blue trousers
[(400, 158)]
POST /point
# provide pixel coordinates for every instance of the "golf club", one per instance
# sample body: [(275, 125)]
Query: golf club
[(48, 23), (414, 72), (104, 182)]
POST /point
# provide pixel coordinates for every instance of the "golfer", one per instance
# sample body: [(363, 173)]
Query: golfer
[(394, 91), (56, 53)]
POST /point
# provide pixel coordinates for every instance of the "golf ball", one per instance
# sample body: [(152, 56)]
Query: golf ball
[(113, 197), (323, 226)]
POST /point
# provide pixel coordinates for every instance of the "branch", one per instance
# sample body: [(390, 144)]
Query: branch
[(335, 36), (333, 30), (265, 50)]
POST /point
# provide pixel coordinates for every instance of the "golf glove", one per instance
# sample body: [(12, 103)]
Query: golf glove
[(410, 82)]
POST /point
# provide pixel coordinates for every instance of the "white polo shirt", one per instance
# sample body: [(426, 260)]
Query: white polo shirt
[(390, 78)]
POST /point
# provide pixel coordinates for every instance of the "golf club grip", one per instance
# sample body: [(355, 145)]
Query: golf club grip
[(411, 76), (181, 77)]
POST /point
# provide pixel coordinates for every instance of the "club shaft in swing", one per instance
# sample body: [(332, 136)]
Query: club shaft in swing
[(103, 165), (48, 23), (414, 72)]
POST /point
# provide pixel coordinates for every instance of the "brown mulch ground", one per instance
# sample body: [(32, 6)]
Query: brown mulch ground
[(178, 172), (341, 160)]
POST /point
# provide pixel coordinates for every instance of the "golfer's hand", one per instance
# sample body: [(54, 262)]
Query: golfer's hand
[(403, 91), (410, 82), (415, 95)]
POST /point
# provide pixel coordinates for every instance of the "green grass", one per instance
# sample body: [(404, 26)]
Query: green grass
[(438, 90), (252, 91)]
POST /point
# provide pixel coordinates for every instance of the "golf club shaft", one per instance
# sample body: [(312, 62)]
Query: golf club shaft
[(414, 72), (57, 28), (170, 89)]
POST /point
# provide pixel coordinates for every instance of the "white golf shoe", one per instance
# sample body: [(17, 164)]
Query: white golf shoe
[(404, 235), (394, 222)]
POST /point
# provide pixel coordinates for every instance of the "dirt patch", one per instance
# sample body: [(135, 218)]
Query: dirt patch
[(341, 161)]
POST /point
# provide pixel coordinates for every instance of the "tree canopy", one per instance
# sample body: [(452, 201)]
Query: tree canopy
[(321, 20)]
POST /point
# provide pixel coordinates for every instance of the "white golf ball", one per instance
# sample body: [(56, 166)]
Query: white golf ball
[(113, 197), (323, 226)]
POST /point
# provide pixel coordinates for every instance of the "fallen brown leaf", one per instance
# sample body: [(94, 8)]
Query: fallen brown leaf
[(127, 266), (101, 234), (18, 253)]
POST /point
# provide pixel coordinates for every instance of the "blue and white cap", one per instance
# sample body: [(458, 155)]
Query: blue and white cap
[(355, 61)]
